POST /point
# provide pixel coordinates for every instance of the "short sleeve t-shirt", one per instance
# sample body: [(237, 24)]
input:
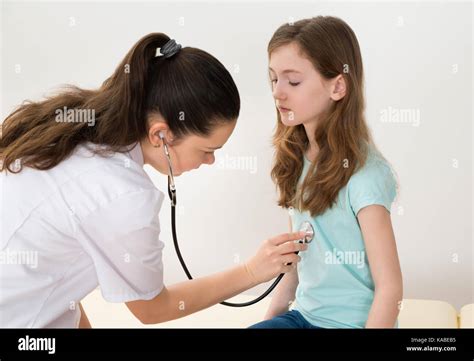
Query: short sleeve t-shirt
[(335, 287)]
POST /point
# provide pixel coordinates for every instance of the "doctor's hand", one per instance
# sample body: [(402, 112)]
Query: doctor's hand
[(274, 255)]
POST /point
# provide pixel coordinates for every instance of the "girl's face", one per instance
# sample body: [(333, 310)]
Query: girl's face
[(187, 153), (301, 93)]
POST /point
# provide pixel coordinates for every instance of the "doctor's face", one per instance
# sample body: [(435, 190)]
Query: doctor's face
[(187, 153), (193, 150)]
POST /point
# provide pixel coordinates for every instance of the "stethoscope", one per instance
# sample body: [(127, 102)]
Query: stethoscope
[(305, 227)]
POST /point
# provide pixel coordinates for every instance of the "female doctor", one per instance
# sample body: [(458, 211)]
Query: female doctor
[(78, 210)]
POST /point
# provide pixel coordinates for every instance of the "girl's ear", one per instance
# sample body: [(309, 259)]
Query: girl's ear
[(338, 88)]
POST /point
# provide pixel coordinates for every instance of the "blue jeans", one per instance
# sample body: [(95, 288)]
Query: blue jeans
[(290, 319)]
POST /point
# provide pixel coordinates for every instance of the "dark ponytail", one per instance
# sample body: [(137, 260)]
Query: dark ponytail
[(192, 91)]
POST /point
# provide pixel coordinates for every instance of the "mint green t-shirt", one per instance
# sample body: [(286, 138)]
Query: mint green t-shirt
[(335, 287)]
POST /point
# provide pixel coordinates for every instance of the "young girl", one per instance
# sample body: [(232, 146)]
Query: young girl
[(329, 172)]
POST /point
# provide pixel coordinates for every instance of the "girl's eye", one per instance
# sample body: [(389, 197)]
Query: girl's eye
[(291, 83)]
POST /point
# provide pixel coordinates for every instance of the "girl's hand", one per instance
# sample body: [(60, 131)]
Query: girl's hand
[(275, 255)]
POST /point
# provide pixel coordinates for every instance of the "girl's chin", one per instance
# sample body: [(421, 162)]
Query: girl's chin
[(289, 120), (290, 123)]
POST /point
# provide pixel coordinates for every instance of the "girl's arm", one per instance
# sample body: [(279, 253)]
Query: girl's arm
[(283, 294), (382, 254)]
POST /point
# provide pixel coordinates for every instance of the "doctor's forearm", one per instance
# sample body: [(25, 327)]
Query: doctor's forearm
[(272, 258), (187, 297)]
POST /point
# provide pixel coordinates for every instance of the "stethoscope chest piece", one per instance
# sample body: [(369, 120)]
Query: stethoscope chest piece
[(309, 230)]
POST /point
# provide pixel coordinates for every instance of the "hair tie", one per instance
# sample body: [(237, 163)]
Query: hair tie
[(169, 49)]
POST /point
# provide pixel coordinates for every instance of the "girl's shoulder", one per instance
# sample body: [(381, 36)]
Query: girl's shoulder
[(375, 166), (373, 183)]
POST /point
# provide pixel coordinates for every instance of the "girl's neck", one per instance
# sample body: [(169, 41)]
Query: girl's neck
[(312, 149), (312, 152)]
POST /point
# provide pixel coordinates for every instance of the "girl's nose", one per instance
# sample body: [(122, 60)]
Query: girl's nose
[(278, 92)]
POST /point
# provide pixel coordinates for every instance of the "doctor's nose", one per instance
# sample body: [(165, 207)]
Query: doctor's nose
[(210, 159)]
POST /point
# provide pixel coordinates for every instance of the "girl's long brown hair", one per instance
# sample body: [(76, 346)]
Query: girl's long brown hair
[(192, 90), (342, 134)]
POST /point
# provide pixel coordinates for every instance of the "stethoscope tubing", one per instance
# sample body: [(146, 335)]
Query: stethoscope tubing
[(172, 196)]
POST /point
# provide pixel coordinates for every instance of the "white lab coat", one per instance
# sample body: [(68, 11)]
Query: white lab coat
[(90, 221)]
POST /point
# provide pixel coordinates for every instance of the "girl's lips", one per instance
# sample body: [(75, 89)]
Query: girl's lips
[(284, 110)]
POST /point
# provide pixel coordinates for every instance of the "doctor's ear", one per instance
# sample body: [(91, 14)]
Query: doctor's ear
[(159, 133), (161, 137), (165, 136), (339, 88)]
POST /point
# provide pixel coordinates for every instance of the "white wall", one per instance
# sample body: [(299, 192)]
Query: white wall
[(416, 56)]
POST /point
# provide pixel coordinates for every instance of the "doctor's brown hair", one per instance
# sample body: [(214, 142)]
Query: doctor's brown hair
[(342, 135), (192, 90)]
